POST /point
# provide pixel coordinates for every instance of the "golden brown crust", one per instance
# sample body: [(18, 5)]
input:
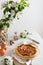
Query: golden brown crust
[(31, 56)]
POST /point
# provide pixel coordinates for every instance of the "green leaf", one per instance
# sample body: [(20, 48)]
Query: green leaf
[(5, 59), (6, 10), (13, 63), (9, 10), (27, 33), (10, 2), (9, 15), (24, 37), (13, 8), (1, 25), (15, 15), (27, 4), (7, 24), (20, 7), (6, 19), (5, 63), (3, 20), (4, 23), (22, 1)]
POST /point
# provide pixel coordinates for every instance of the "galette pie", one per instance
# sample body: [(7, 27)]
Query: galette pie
[(27, 50)]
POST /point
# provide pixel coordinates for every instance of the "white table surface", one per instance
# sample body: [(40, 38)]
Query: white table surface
[(39, 59)]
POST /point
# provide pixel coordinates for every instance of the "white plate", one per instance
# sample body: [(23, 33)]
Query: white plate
[(20, 60)]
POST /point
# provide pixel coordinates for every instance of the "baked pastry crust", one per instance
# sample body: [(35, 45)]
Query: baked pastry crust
[(33, 49)]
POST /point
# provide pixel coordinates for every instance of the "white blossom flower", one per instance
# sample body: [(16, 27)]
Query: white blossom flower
[(9, 5), (7, 13), (9, 61), (14, 4), (16, 8)]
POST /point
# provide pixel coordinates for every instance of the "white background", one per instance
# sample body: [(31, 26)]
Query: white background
[(32, 17)]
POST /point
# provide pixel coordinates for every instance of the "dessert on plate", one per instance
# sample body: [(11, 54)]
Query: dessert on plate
[(27, 50)]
